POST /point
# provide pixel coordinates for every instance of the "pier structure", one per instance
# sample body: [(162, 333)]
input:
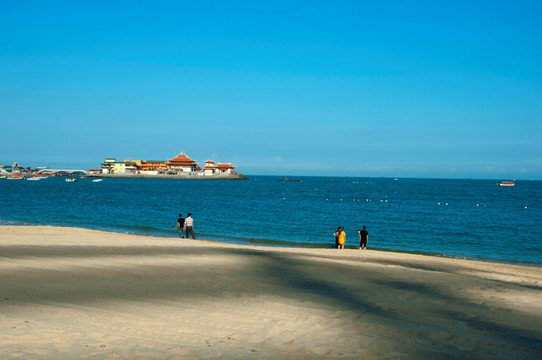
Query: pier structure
[(62, 172)]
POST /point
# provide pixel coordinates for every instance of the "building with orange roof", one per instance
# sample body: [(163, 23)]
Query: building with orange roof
[(182, 162), (151, 165), (209, 168), (220, 168), (225, 168)]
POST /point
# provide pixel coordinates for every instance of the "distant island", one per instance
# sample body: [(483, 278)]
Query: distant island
[(179, 167)]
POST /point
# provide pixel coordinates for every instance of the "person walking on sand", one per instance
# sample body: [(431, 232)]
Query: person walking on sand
[(189, 226), (342, 238), (180, 225), (363, 238)]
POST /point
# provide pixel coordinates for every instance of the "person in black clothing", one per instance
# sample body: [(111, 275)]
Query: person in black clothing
[(180, 225), (363, 238), (336, 234)]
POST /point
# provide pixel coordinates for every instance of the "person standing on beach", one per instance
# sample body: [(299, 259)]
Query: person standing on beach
[(189, 226), (180, 225), (336, 234), (363, 238), (342, 238)]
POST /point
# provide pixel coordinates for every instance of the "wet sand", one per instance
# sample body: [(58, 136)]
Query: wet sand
[(68, 293)]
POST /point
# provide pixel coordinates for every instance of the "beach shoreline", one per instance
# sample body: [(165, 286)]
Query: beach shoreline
[(78, 293), (276, 244)]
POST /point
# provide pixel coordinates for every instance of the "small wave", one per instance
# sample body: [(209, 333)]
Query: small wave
[(12, 223)]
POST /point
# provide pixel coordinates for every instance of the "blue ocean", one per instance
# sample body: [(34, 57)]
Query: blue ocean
[(474, 219)]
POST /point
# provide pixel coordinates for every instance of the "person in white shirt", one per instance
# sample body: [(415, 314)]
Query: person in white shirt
[(189, 226)]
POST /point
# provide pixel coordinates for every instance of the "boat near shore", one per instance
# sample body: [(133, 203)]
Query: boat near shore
[(15, 177)]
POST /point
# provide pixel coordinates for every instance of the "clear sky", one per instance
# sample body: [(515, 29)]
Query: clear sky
[(447, 89)]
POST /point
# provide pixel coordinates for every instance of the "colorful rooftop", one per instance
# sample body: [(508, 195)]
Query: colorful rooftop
[(182, 159)]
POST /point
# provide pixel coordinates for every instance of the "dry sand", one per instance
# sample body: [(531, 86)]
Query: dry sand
[(70, 293)]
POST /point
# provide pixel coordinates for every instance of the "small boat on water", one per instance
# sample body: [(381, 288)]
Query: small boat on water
[(291, 180), (16, 177), (507, 183), (97, 180), (71, 180), (34, 178)]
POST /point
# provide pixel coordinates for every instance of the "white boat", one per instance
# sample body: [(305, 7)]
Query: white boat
[(507, 183), (71, 180), (97, 180), (33, 178)]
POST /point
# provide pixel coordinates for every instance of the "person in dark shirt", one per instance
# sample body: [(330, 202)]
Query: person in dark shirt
[(180, 225), (336, 234), (363, 238)]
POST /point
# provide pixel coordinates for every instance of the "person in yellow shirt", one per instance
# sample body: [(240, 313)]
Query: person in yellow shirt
[(342, 238)]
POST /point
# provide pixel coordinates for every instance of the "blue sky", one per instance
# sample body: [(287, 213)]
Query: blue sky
[(378, 88)]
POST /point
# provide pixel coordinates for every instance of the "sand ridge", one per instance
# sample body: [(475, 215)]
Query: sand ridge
[(70, 293)]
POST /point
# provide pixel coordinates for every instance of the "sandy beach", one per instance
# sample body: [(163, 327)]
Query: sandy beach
[(69, 293)]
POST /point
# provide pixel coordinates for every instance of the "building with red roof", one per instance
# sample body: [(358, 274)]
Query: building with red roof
[(182, 162), (225, 168), (209, 168)]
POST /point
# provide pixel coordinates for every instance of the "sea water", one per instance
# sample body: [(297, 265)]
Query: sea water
[(473, 219)]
